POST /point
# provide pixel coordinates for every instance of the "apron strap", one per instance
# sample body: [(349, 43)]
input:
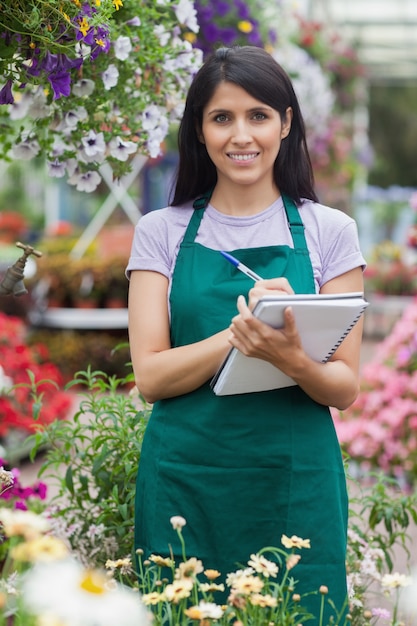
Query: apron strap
[(295, 223)]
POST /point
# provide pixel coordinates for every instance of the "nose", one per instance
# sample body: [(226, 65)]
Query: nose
[(241, 132)]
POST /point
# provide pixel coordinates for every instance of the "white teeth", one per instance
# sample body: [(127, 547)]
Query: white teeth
[(242, 157)]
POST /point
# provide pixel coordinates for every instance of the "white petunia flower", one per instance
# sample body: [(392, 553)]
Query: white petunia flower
[(122, 48), (38, 108), (20, 107), (26, 150), (85, 181), (135, 21), (110, 77), (77, 115), (187, 15), (56, 169), (162, 34), (312, 86), (151, 117), (120, 149), (83, 87), (94, 144)]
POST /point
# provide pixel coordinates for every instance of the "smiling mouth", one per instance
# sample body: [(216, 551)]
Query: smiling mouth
[(243, 157)]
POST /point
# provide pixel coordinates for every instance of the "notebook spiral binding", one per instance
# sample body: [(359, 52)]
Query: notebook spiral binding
[(345, 334)]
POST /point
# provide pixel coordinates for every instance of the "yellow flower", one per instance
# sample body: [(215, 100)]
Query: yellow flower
[(257, 599), (124, 565), (23, 523), (395, 580), (205, 610), (248, 584), (211, 574), (295, 542), (179, 589), (153, 598), (161, 561), (117, 4), (245, 27), (261, 565), (193, 612), (191, 37), (84, 26), (191, 567), (210, 587), (94, 582), (45, 548)]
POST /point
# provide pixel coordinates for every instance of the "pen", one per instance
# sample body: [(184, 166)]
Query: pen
[(240, 266)]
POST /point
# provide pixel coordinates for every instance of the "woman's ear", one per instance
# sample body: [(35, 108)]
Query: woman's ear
[(286, 123)]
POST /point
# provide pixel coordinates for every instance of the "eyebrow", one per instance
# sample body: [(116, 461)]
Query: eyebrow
[(261, 107)]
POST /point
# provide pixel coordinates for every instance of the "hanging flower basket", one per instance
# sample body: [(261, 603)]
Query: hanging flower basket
[(93, 82)]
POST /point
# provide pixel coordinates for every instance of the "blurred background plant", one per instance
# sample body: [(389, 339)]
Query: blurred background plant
[(91, 463), (26, 374), (379, 431), (389, 273)]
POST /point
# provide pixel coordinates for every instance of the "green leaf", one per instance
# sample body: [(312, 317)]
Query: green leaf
[(69, 480)]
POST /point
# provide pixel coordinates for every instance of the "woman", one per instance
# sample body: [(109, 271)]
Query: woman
[(242, 470)]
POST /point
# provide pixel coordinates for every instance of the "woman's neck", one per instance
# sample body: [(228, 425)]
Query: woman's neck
[(241, 200)]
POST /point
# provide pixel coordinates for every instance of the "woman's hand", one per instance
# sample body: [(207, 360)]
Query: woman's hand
[(257, 339), (334, 383), (273, 286)]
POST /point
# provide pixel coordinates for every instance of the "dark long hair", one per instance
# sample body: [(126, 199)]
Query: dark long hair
[(262, 77)]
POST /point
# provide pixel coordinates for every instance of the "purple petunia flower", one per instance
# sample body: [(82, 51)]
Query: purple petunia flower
[(221, 7), (101, 42), (211, 32), (6, 95), (60, 83), (228, 36), (243, 10)]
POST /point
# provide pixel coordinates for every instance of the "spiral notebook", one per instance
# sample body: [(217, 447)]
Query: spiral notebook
[(323, 321)]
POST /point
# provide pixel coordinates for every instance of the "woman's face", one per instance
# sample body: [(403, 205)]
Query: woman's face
[(242, 135)]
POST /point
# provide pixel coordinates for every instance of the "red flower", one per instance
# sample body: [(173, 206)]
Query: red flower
[(17, 360)]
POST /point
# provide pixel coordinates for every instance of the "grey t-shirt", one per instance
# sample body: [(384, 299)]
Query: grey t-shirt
[(331, 236)]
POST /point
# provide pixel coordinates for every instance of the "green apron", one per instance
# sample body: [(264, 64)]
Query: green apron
[(243, 469)]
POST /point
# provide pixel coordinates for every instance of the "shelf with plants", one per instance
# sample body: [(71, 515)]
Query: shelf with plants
[(79, 293)]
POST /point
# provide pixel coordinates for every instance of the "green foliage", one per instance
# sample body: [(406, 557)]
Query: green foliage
[(393, 134), (92, 461)]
